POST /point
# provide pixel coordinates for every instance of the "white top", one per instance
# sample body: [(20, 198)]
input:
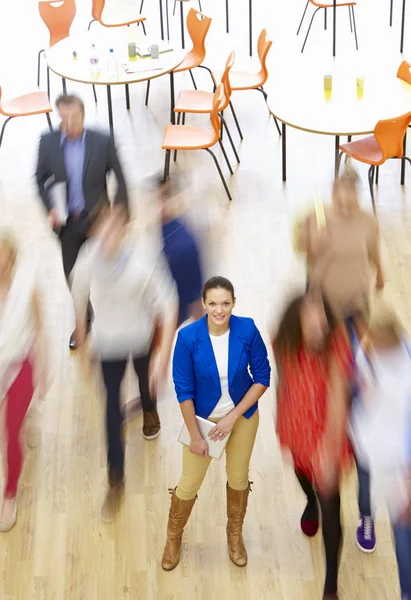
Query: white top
[(127, 296), (380, 425), (220, 348)]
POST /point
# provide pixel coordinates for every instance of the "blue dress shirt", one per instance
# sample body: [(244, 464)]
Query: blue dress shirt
[(74, 153)]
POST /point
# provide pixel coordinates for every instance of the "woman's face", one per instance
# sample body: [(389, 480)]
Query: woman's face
[(219, 304), (345, 199), (314, 324), (7, 260)]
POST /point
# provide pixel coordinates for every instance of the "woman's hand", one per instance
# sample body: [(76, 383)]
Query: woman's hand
[(199, 447), (223, 428)]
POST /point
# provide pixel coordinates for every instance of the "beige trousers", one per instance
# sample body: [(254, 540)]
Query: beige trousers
[(238, 454)]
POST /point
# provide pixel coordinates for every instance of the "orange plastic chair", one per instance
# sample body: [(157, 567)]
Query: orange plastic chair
[(386, 142), (199, 102), (250, 80), (198, 26), (37, 103), (57, 15), (115, 19), (404, 71), (186, 137), (325, 5)]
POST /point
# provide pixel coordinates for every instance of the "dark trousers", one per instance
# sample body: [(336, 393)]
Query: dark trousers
[(331, 530), (364, 491), (113, 373)]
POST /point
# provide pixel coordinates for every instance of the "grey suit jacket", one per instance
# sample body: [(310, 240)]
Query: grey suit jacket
[(100, 158)]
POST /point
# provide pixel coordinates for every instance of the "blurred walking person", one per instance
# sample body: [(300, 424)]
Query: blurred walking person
[(130, 290), (314, 363), (23, 361)]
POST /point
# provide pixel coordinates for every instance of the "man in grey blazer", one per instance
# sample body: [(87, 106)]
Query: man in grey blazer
[(78, 159)]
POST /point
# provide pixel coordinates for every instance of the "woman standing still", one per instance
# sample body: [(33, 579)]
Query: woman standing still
[(23, 363), (220, 371), (314, 362)]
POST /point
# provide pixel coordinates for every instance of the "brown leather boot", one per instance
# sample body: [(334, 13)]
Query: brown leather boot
[(236, 509), (179, 513)]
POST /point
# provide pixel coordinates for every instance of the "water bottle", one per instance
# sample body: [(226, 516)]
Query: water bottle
[(112, 66), (94, 62)]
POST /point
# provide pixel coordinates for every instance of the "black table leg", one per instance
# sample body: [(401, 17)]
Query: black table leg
[(391, 7), (161, 20), (402, 27), (250, 22), (172, 100), (110, 111), (63, 81), (404, 153), (182, 24), (284, 150), (127, 97), (334, 25), (227, 24), (168, 22), (337, 150)]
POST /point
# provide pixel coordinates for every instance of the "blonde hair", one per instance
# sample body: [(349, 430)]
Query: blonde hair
[(349, 176), (383, 315)]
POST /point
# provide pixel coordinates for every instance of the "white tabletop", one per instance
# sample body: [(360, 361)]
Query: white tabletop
[(298, 99), (60, 57)]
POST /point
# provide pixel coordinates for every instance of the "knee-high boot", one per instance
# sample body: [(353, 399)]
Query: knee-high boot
[(236, 509), (180, 511)]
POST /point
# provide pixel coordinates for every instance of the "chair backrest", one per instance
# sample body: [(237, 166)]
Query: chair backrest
[(404, 71), (390, 133), (198, 26), (214, 115), (225, 80), (58, 16), (97, 9), (263, 45)]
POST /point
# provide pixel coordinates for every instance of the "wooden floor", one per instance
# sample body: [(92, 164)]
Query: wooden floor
[(60, 549)]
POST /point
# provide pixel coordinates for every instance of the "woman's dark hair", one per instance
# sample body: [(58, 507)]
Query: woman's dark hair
[(218, 282), (289, 336)]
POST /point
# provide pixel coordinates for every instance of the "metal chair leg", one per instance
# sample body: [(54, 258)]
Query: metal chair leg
[(225, 156), (325, 19), (192, 79), (305, 10), (174, 8), (178, 123), (90, 24), (3, 128), (371, 184), (377, 175), (337, 167), (141, 6), (355, 27), (167, 22), (95, 94), (220, 173), (262, 90), (147, 92), (48, 82), (38, 67), (309, 29), (144, 27), (49, 121), (167, 165), (199, 6), (349, 13), (230, 138), (236, 121)]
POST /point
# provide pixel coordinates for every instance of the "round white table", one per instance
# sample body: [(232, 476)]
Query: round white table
[(70, 59), (300, 101)]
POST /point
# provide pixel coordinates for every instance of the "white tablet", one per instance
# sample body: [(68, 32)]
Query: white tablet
[(215, 449)]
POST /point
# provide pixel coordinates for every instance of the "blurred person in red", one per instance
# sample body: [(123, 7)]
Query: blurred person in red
[(314, 362), (181, 250), (131, 290), (23, 360)]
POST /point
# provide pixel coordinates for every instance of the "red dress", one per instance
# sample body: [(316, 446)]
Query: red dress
[(302, 401)]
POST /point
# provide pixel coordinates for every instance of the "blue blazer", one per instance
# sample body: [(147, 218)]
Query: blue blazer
[(195, 372)]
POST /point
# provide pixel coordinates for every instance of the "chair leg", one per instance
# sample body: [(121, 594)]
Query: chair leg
[(38, 67), (349, 13), (262, 90), (174, 8), (355, 27), (325, 19), (337, 167), (49, 121), (90, 24), (305, 10), (95, 94), (371, 184), (220, 173), (377, 175), (48, 82), (199, 6), (141, 6), (225, 156), (3, 128), (167, 22), (178, 123), (192, 79), (236, 121), (309, 29), (167, 165), (230, 138), (147, 92)]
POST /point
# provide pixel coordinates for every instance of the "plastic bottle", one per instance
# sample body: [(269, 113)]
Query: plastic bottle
[(94, 62), (112, 66)]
